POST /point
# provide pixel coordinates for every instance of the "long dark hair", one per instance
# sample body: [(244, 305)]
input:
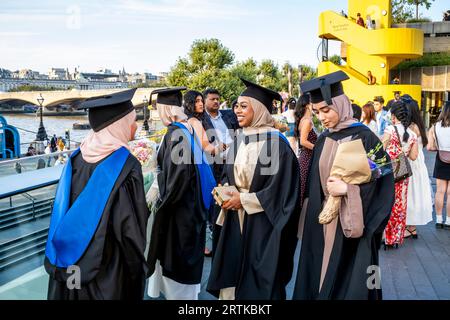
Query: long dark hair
[(413, 107), (300, 109), (401, 112), (189, 104), (444, 117)]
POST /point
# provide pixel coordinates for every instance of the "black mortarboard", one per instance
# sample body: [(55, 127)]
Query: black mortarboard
[(263, 95), (169, 96), (106, 109), (325, 87)]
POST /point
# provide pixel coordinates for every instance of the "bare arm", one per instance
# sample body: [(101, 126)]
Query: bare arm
[(414, 151), (201, 135), (305, 127)]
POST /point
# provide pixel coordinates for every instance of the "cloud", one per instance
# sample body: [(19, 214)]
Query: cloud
[(195, 9), (17, 34)]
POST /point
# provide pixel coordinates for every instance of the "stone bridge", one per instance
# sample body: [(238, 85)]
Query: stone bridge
[(71, 97)]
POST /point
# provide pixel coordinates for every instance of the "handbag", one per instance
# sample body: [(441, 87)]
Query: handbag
[(401, 166), (444, 156)]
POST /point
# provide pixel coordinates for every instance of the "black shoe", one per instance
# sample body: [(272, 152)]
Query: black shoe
[(440, 225), (390, 246)]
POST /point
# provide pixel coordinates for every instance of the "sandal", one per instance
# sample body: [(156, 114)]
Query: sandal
[(411, 233)]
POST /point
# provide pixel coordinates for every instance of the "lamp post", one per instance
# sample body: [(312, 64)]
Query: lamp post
[(41, 134), (145, 125)]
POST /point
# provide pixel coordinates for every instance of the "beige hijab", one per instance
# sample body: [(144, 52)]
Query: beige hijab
[(169, 114), (98, 145), (343, 106), (262, 119)]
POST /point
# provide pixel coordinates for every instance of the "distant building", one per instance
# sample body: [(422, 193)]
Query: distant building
[(435, 80), (58, 74), (142, 78)]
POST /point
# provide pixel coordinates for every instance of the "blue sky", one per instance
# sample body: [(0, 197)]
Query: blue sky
[(150, 35)]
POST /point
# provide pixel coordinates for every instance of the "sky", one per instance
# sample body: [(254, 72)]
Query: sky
[(150, 35)]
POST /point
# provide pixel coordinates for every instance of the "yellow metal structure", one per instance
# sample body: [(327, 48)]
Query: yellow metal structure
[(376, 50)]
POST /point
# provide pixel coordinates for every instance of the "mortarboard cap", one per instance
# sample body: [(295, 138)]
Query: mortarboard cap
[(325, 87), (106, 109), (263, 95), (169, 96)]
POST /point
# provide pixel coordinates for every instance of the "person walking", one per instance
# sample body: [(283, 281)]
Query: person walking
[(420, 204), (440, 142), (307, 137), (399, 138)]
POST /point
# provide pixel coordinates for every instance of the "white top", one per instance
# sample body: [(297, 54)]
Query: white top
[(290, 115), (373, 126), (222, 130), (406, 146), (443, 137)]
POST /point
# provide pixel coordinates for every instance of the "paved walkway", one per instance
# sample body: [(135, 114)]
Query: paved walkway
[(418, 270)]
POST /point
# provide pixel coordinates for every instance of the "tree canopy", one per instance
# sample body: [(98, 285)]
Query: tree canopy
[(210, 64)]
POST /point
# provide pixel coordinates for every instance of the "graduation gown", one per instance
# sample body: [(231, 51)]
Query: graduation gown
[(255, 250), (345, 272), (113, 265), (179, 229)]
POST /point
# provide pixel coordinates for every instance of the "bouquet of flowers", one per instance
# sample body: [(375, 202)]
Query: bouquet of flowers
[(281, 122), (363, 168), (145, 151)]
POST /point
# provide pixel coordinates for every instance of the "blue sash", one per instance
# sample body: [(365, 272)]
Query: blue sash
[(282, 136), (207, 180), (71, 229), (357, 124)]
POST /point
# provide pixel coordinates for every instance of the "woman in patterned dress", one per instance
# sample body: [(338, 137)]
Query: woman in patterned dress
[(307, 137), (399, 138)]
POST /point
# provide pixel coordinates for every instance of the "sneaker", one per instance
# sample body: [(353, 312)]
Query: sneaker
[(447, 223), (439, 221)]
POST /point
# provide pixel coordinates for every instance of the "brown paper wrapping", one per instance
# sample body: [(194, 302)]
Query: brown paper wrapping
[(351, 165)]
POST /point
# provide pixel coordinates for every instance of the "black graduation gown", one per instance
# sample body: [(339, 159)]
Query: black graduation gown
[(259, 262), (346, 276), (179, 229), (113, 265)]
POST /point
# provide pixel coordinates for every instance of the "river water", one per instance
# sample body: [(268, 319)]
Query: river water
[(53, 125)]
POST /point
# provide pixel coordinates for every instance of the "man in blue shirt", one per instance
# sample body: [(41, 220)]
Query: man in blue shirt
[(220, 127), (382, 115)]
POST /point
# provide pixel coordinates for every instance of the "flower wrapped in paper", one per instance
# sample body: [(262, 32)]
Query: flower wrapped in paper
[(281, 122), (352, 165), (145, 151)]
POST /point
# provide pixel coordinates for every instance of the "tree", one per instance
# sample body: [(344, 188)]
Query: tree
[(204, 61), (417, 3), (269, 75), (401, 11)]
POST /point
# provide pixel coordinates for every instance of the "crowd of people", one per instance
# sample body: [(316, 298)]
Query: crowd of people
[(278, 190)]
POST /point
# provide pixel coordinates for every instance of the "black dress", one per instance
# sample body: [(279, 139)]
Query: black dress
[(258, 261), (113, 265), (346, 275), (179, 229)]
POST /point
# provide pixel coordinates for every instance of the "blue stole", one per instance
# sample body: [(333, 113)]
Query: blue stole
[(72, 229), (357, 124), (207, 180)]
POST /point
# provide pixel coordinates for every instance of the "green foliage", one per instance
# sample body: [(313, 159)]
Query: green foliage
[(336, 59), (403, 10), (420, 20), (28, 87), (427, 60), (210, 64), (420, 3)]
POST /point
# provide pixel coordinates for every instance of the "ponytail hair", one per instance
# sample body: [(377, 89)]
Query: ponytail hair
[(402, 113)]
